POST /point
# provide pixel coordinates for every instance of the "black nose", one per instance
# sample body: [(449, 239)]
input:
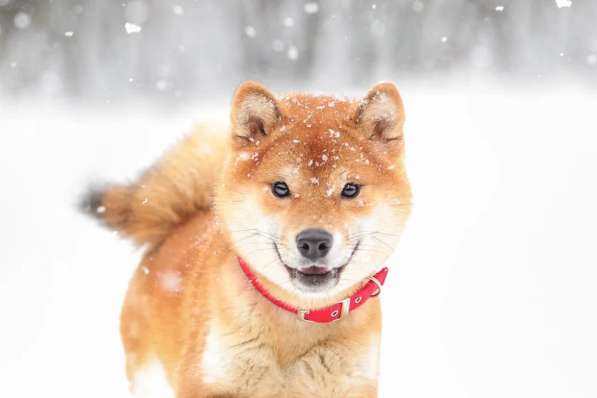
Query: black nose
[(314, 243)]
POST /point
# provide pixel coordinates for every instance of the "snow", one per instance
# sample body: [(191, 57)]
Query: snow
[(242, 156), (311, 8), (329, 191), (22, 20), (288, 22), (69, 33), (564, 3), (418, 6), (178, 10), (490, 294), (292, 53), (250, 31), (162, 85), (170, 281), (132, 28)]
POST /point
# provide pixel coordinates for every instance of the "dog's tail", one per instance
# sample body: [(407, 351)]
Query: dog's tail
[(181, 184)]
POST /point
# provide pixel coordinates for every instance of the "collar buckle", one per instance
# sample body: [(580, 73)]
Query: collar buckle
[(336, 315), (301, 315), (345, 307), (377, 283)]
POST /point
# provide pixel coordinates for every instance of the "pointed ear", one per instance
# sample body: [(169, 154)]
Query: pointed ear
[(380, 114), (254, 113)]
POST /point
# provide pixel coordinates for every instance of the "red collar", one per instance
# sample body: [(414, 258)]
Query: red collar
[(330, 313)]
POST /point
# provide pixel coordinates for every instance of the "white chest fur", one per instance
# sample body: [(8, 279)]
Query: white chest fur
[(150, 382), (216, 358)]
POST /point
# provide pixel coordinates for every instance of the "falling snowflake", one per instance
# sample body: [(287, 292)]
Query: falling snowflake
[(171, 281), (22, 20), (418, 6), (69, 33), (162, 85), (132, 28), (499, 8), (178, 10), (444, 39), (292, 53), (250, 31), (288, 22), (311, 8), (244, 155), (564, 3)]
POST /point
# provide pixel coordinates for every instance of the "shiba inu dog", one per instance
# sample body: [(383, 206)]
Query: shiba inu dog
[(266, 249)]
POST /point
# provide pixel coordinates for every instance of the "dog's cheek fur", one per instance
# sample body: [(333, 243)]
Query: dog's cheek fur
[(380, 233), (253, 231)]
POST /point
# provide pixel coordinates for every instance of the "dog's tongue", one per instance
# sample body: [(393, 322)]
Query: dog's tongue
[(315, 270)]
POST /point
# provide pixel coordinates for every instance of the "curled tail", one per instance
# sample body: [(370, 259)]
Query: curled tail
[(179, 185)]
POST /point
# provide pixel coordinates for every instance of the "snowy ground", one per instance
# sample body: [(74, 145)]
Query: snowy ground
[(493, 290)]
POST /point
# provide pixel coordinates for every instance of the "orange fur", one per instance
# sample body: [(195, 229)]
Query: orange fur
[(190, 307), (166, 195)]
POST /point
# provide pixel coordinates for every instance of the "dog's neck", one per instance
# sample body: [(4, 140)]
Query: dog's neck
[(371, 287), (247, 310)]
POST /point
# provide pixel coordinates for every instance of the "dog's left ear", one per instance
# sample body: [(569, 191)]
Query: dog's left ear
[(254, 114), (380, 114)]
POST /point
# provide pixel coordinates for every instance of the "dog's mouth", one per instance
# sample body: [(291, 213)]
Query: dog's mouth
[(315, 277)]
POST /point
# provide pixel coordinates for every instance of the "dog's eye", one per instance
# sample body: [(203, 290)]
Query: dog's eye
[(280, 189), (351, 190)]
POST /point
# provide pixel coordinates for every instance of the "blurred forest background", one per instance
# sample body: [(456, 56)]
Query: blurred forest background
[(181, 49)]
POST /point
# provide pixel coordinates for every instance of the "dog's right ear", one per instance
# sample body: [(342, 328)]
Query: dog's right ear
[(254, 114)]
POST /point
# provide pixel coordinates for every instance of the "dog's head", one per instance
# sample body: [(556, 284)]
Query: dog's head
[(315, 194)]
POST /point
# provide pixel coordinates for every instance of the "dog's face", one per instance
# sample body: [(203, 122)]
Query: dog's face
[(315, 195)]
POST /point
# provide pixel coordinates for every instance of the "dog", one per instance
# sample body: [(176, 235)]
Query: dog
[(265, 249)]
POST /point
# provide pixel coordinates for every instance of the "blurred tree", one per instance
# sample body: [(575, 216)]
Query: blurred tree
[(177, 49)]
